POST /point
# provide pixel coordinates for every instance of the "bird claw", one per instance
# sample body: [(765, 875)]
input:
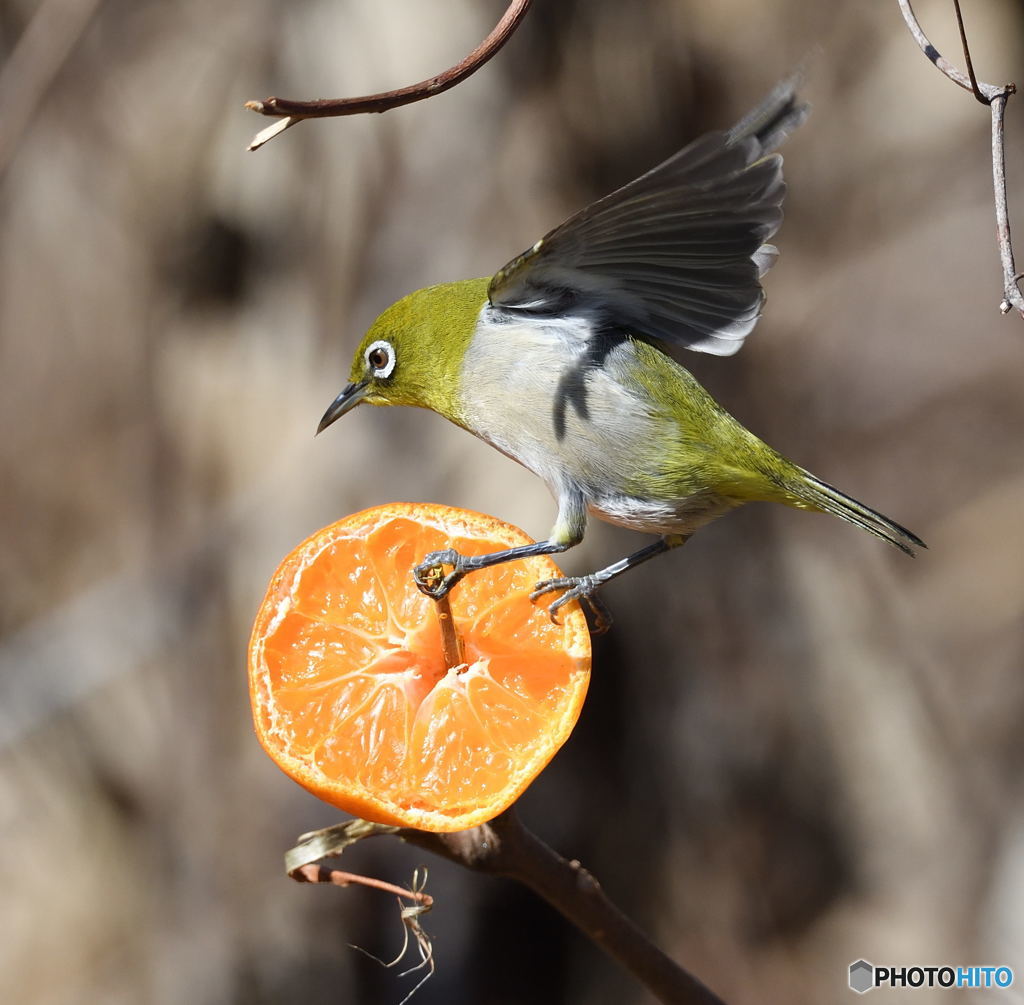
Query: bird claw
[(430, 576), (432, 580), (581, 588)]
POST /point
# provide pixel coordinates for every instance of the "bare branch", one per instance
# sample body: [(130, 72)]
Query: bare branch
[(967, 53), (451, 641), (313, 873), (295, 111), (504, 847), (995, 97)]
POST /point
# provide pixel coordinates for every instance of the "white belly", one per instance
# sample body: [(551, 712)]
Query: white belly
[(682, 516), (532, 391)]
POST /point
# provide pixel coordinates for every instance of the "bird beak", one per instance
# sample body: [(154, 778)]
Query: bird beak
[(345, 402)]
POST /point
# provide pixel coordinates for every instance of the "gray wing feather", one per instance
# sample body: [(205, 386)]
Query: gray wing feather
[(677, 254)]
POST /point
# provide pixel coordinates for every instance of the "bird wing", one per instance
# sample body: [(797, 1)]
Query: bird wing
[(677, 254)]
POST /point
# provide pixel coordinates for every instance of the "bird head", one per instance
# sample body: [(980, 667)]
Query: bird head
[(412, 354)]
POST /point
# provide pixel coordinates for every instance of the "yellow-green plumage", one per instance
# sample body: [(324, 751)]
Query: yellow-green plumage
[(556, 360), (664, 458), (436, 324)]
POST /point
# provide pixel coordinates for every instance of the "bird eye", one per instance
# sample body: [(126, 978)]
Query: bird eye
[(381, 359)]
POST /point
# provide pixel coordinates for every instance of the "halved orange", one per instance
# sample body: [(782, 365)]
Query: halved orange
[(352, 695)]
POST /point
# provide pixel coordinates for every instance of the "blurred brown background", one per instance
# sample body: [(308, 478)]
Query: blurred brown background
[(800, 747)]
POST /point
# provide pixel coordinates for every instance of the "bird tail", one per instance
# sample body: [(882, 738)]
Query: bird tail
[(812, 493)]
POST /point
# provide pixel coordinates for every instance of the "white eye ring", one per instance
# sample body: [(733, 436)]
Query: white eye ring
[(387, 369)]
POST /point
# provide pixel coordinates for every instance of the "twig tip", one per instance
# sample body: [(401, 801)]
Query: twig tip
[(271, 131)]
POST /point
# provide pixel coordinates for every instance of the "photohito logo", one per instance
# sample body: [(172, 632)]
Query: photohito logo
[(864, 976)]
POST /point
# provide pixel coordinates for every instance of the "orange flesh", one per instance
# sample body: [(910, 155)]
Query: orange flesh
[(351, 693)]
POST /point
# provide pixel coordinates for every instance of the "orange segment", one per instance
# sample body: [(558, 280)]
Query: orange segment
[(351, 693)]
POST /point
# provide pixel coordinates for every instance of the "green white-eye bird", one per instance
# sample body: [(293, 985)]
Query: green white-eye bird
[(557, 361)]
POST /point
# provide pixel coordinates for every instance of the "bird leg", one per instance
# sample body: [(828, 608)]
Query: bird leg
[(584, 588), (567, 532), (436, 587)]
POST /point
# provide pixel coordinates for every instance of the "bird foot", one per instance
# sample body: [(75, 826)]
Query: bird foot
[(581, 588), (431, 578)]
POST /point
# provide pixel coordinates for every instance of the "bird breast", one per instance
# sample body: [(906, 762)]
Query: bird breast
[(566, 404)]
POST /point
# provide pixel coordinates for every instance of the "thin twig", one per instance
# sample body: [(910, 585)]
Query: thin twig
[(995, 97), (451, 641), (314, 873), (504, 847), (296, 111), (967, 53)]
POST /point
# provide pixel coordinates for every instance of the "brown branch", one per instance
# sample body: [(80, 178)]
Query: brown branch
[(451, 641), (504, 847), (314, 873), (995, 97), (967, 53), (296, 111)]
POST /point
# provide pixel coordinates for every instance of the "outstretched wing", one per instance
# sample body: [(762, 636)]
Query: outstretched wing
[(677, 254)]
